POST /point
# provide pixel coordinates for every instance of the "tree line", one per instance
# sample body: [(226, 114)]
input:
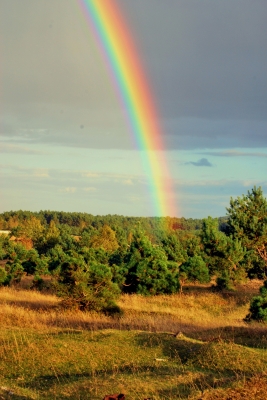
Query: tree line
[(92, 259)]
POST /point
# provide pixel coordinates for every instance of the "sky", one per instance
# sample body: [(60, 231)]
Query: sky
[(64, 141)]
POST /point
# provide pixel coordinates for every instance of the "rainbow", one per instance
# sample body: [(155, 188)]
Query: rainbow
[(131, 84)]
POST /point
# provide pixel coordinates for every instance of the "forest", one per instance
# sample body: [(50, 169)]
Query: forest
[(90, 260)]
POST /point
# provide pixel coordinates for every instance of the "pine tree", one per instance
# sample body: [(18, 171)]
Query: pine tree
[(148, 270), (223, 254), (248, 222), (87, 287)]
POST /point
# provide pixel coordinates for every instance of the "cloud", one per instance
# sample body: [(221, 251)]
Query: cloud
[(219, 183), (234, 153), (216, 69), (68, 189), (68, 180), (205, 65), (209, 87), (184, 132), (126, 179), (200, 163), (89, 189), (127, 182), (90, 175), (41, 173), (14, 149), (13, 171)]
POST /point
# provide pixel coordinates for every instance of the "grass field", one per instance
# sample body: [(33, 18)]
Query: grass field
[(189, 346)]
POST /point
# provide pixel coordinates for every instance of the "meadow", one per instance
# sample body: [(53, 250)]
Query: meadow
[(193, 345)]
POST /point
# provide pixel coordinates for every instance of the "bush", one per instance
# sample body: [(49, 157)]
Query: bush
[(223, 282), (87, 287), (3, 276), (14, 271), (39, 283), (258, 306)]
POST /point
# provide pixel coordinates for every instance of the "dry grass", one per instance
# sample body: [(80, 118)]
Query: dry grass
[(255, 388), (32, 309), (28, 298), (160, 313), (49, 353), (195, 311)]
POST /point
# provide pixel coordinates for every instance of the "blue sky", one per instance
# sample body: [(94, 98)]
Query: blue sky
[(64, 141)]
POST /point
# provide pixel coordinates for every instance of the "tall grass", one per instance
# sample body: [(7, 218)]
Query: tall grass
[(159, 313)]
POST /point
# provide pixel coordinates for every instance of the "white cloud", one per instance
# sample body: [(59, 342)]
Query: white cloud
[(127, 182), (41, 173), (90, 175), (14, 149), (68, 190), (89, 189)]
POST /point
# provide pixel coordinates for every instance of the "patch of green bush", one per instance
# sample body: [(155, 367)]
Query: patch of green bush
[(87, 287), (3, 276), (258, 306)]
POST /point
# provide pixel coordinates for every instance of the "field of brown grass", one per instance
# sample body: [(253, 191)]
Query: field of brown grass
[(189, 346)]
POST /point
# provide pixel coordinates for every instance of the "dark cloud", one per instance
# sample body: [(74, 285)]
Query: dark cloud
[(197, 133), (45, 124), (205, 60), (200, 163), (207, 63)]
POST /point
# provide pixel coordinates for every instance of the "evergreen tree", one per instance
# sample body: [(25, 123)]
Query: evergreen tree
[(148, 269), (173, 249), (258, 306), (87, 287), (195, 270), (223, 254), (248, 223)]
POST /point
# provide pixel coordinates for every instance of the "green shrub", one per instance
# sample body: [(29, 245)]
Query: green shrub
[(3, 276), (39, 283), (14, 271), (258, 306), (224, 282), (87, 287)]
